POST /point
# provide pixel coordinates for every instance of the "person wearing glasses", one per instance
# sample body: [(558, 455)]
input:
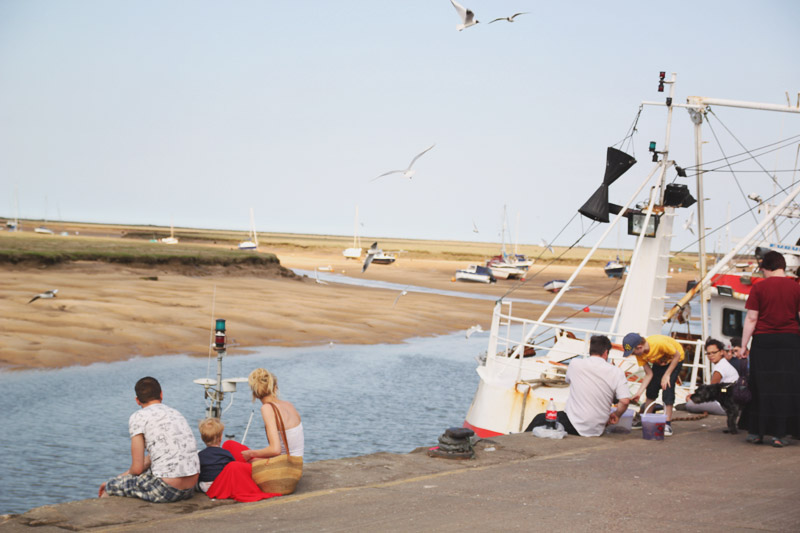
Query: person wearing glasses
[(722, 371)]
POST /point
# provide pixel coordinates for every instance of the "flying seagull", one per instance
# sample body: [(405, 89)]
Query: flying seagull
[(466, 15), (689, 222), (474, 227), (474, 329), (511, 18), (46, 294), (407, 173), (402, 293), (373, 250), (543, 244)]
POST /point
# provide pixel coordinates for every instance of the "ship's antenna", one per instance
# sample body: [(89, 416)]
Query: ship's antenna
[(211, 333)]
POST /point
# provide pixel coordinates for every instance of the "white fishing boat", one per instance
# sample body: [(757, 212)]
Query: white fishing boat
[(354, 252), (475, 273), (252, 242), (526, 359)]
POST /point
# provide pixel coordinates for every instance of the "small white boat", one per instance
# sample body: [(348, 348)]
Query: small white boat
[(504, 269), (554, 285), (614, 269), (383, 258), (355, 251), (252, 242), (43, 230), (476, 273), (172, 239)]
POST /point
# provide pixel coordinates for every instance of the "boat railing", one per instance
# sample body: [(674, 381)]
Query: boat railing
[(514, 342)]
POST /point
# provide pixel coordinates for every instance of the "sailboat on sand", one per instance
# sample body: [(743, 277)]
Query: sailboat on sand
[(252, 242), (355, 251)]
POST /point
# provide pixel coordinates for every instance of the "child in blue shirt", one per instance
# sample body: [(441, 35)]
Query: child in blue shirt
[(212, 459)]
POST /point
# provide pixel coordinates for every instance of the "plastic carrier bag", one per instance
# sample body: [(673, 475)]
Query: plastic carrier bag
[(544, 433)]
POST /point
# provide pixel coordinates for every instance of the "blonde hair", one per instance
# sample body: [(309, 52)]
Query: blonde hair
[(263, 383), (211, 430)]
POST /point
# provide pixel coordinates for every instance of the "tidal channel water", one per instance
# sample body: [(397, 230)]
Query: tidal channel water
[(66, 431)]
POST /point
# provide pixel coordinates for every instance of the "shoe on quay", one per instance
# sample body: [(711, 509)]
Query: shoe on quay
[(668, 429), (637, 421)]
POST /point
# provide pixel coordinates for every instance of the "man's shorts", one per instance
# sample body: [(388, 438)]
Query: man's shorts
[(668, 395), (146, 487)]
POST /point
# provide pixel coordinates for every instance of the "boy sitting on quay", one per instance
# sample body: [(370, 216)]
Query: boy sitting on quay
[(169, 471)]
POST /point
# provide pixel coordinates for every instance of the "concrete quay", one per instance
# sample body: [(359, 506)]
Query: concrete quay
[(700, 479)]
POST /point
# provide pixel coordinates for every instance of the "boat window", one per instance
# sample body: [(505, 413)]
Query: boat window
[(732, 321)]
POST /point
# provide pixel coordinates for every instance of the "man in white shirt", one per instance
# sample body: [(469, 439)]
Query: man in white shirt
[(594, 383)]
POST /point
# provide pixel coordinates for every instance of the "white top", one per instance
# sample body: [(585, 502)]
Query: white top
[(593, 385), (168, 440), (726, 370), (296, 441)]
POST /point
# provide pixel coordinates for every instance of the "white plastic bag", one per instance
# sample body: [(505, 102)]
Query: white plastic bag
[(544, 433)]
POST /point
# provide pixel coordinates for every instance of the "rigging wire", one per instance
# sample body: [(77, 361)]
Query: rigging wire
[(789, 141), (629, 135), (522, 282), (735, 179), (755, 159), (734, 219)]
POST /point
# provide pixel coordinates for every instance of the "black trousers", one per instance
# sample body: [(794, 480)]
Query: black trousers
[(541, 420)]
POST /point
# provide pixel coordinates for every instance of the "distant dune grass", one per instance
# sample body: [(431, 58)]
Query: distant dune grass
[(16, 248), (117, 243)]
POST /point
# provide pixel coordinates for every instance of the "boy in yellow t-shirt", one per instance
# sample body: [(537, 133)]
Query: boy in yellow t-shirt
[(662, 359)]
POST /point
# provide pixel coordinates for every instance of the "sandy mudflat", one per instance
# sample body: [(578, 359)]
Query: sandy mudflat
[(106, 312)]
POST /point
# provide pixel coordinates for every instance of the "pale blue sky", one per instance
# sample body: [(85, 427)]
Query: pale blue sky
[(141, 111)]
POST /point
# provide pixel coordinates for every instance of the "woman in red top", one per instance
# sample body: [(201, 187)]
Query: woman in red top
[(773, 310)]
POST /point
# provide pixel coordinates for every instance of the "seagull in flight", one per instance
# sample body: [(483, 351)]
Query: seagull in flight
[(474, 227), (543, 244), (511, 18), (407, 173), (689, 223), (373, 250), (474, 329), (402, 293), (46, 294), (466, 15)]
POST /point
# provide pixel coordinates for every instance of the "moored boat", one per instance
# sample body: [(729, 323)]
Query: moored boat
[(555, 285), (614, 269), (475, 273)]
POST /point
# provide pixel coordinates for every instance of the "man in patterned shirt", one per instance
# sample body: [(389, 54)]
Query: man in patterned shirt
[(169, 471)]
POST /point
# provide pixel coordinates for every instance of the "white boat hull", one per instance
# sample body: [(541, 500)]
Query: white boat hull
[(352, 253), (469, 276)]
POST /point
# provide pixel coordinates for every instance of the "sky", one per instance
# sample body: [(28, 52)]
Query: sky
[(195, 111)]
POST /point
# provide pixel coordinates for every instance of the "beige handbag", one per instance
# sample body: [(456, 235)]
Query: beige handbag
[(281, 473)]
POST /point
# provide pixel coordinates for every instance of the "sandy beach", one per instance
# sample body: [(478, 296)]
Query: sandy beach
[(107, 312)]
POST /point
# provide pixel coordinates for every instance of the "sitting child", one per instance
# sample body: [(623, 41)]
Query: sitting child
[(212, 459)]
